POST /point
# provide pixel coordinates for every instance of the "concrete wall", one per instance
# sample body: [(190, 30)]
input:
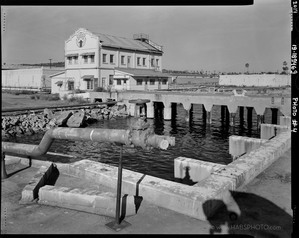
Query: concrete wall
[(194, 80), (259, 103), (270, 130), (239, 145), (33, 78), (257, 80), (197, 169)]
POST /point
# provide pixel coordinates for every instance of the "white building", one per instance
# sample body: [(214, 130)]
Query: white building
[(97, 60), (34, 78)]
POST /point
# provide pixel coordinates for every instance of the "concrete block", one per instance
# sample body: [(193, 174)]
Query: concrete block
[(197, 169), (11, 160), (30, 191), (87, 200), (285, 121), (239, 145), (27, 194), (268, 130)]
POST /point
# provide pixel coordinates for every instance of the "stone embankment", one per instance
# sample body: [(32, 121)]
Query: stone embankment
[(34, 123)]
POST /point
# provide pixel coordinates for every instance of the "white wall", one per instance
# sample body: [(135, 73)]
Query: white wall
[(34, 78), (22, 78), (261, 80), (54, 87), (91, 45)]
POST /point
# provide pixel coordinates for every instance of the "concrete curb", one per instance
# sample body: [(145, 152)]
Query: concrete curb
[(87, 200), (30, 191)]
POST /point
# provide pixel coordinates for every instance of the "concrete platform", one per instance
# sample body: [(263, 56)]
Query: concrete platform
[(264, 204)]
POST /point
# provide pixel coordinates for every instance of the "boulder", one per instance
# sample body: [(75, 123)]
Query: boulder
[(48, 113), (62, 117), (76, 120)]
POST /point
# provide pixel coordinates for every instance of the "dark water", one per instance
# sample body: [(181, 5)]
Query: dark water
[(194, 139)]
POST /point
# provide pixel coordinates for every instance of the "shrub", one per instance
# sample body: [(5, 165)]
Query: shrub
[(99, 89), (79, 91), (54, 97), (64, 97), (49, 97), (72, 99)]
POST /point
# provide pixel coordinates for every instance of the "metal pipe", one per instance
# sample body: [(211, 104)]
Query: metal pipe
[(124, 137)]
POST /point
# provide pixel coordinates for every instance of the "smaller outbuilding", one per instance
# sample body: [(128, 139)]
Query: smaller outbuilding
[(28, 78)]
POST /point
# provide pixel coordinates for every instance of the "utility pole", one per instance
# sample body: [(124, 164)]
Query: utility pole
[(50, 63)]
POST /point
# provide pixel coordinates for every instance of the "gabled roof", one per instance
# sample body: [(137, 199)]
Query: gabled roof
[(125, 43), (143, 72)]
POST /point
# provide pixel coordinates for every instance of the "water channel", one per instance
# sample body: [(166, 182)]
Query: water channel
[(194, 139)]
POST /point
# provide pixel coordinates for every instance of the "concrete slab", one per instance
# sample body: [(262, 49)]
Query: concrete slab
[(263, 202)]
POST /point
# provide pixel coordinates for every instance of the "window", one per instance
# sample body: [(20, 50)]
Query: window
[(91, 58), (76, 60), (103, 82), (85, 57), (122, 59), (129, 61), (118, 81), (164, 81), (152, 62), (157, 62), (143, 61), (111, 79), (89, 84), (152, 82), (70, 85), (104, 58), (138, 60), (111, 59), (139, 81), (69, 60)]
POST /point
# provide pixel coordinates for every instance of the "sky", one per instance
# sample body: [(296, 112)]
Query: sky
[(209, 38)]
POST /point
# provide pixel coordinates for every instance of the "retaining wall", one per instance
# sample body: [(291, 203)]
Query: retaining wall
[(200, 200)]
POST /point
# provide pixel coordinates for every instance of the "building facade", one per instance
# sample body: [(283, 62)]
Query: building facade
[(95, 60), (26, 78)]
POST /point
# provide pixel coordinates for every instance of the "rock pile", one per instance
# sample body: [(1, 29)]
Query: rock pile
[(34, 123)]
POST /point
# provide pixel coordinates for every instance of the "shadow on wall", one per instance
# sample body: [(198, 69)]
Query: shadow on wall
[(259, 217)]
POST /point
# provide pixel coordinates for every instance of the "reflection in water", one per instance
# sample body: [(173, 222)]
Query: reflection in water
[(194, 139)]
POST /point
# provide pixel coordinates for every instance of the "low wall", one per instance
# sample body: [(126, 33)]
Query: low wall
[(239, 145), (257, 80), (285, 121), (270, 130), (195, 170)]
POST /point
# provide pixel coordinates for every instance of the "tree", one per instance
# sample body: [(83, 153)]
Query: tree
[(285, 67), (247, 66)]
